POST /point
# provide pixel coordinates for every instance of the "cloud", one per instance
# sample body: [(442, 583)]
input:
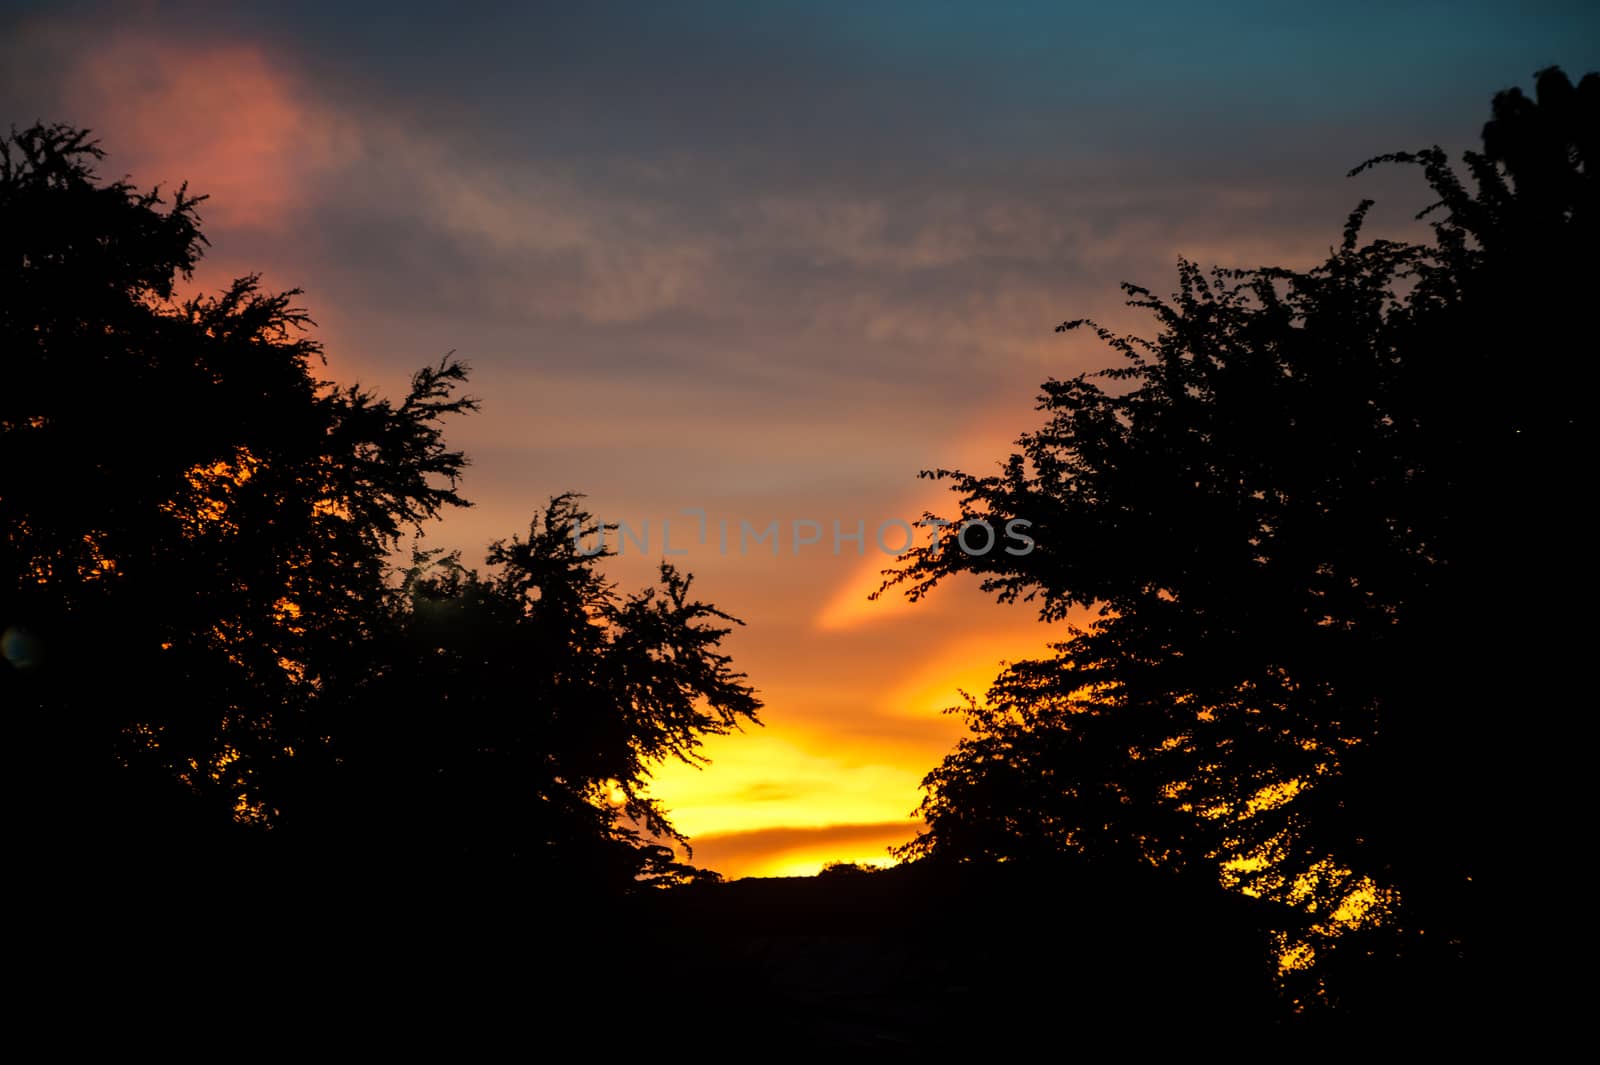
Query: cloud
[(785, 851), (222, 115)]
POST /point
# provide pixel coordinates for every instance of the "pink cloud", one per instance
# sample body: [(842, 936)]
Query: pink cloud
[(224, 117)]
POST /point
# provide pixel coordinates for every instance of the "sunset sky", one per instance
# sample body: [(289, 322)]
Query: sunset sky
[(769, 260)]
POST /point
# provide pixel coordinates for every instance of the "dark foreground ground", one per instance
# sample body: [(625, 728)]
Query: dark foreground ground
[(975, 960), (996, 963), (889, 960)]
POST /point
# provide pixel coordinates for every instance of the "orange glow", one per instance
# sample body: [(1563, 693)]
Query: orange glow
[(213, 485), (810, 862), (786, 799), (802, 852), (850, 605), (98, 565), (759, 780), (969, 664)]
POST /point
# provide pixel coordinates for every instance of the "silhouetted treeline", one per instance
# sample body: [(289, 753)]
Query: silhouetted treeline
[(1334, 523)]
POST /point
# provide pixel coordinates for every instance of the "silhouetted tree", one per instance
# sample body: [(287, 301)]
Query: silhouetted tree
[(843, 868), (1328, 520), (512, 719), (196, 527), (194, 582)]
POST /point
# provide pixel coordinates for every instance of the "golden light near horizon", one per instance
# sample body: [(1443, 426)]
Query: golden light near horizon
[(810, 862), (792, 776), (761, 780)]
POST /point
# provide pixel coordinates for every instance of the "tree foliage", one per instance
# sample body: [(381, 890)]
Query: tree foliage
[(515, 716), (1319, 515), (200, 609)]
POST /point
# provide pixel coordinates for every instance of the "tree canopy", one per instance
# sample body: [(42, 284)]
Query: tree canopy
[(514, 717), (1327, 520), (200, 609)]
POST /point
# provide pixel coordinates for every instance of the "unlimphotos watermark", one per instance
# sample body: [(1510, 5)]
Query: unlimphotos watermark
[(894, 536)]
